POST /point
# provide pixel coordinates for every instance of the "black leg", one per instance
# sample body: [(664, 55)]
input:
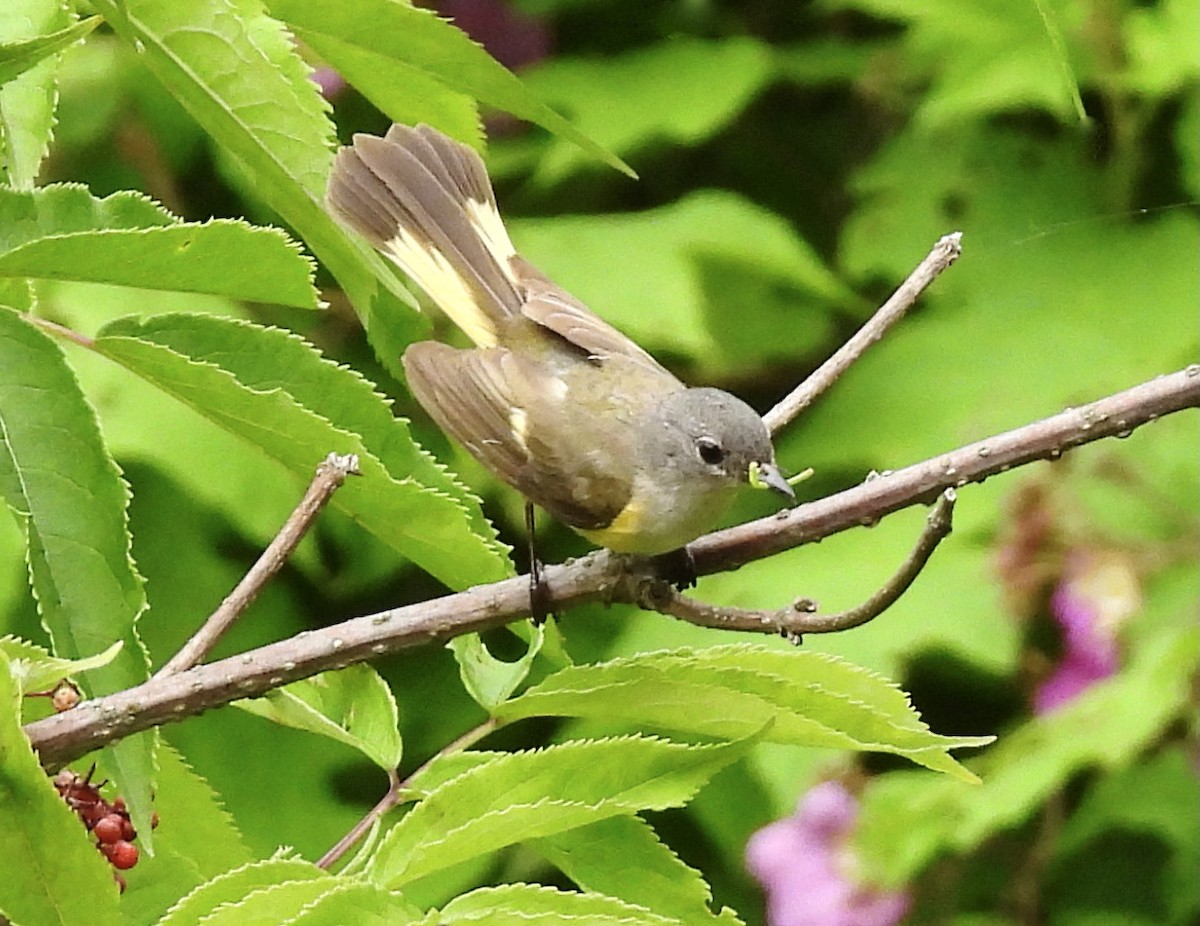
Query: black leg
[(677, 567), (540, 605)]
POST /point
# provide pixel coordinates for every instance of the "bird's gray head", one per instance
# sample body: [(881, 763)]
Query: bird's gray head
[(708, 435)]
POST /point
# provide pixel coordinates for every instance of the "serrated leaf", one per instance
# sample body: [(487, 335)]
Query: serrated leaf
[(357, 902), (487, 679), (280, 884), (353, 706), (524, 795), (403, 92), (273, 389), (417, 39), (811, 699), (27, 102), (18, 57), (533, 904), (54, 874), (69, 498), (63, 232), (194, 842), (236, 72), (34, 669), (623, 857)]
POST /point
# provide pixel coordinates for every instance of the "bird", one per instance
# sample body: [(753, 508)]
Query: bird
[(553, 400)]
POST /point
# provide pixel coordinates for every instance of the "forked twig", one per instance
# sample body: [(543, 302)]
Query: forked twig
[(945, 252), (331, 473), (801, 616)]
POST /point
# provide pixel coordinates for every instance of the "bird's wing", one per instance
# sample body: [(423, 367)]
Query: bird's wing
[(554, 308), (518, 421)]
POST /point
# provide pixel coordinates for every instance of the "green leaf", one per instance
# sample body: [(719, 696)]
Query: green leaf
[(53, 875), (810, 699), (533, 904), (1158, 797), (18, 57), (273, 389), (1160, 56), (1106, 726), (17, 294), (906, 821), (517, 796), (411, 38), (404, 92), (698, 86), (235, 71), (27, 102), (353, 706), (991, 56), (194, 842), (271, 889), (487, 679), (70, 500), (623, 857), (34, 669), (63, 232), (353, 901), (667, 257)]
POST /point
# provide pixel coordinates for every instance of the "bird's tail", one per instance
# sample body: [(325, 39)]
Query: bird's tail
[(425, 201)]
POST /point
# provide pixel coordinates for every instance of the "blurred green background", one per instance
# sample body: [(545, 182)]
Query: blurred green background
[(796, 161)]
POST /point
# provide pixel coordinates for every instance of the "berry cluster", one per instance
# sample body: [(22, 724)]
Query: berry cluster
[(108, 822)]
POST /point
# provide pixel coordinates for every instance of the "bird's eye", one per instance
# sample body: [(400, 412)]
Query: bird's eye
[(710, 451)]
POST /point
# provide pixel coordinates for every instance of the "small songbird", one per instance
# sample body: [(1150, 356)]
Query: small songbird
[(553, 400)]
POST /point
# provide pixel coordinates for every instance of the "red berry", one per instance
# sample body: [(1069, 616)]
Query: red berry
[(110, 829), (128, 833), (92, 813), (122, 854)]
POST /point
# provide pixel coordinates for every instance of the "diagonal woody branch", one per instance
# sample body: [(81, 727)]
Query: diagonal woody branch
[(93, 723)]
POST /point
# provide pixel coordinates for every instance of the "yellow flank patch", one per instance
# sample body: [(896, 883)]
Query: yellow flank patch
[(623, 532), (492, 232), (430, 270)]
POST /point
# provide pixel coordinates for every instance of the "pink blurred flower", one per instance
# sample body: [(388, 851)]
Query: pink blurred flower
[(512, 37), (808, 869), (1097, 594)]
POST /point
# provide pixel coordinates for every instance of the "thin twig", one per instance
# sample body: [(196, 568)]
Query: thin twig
[(945, 252), (390, 799), (397, 791), (331, 473), (94, 723), (801, 616)]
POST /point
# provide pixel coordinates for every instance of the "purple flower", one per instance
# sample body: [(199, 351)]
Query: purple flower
[(330, 81), (809, 871), (1097, 594)]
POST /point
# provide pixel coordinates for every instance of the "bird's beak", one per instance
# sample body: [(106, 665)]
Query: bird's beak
[(772, 478)]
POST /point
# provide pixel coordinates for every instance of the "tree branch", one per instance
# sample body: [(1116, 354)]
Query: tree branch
[(92, 724)]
